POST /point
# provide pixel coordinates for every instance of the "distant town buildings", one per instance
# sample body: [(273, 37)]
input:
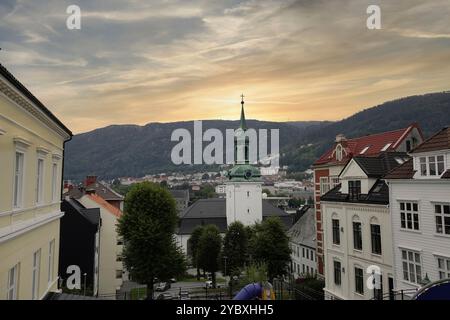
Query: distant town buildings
[(32, 148)]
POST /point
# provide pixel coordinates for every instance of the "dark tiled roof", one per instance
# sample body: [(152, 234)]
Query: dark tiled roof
[(404, 171), (213, 211), (382, 164), (439, 141), (104, 191), (19, 86), (378, 194)]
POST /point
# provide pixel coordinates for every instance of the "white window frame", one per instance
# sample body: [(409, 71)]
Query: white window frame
[(442, 217), (18, 182), (413, 268), (324, 185), (427, 164), (413, 214), (444, 268), (36, 275), (13, 283), (339, 152), (40, 174), (54, 181), (334, 181), (51, 260)]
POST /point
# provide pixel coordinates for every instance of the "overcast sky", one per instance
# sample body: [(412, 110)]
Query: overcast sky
[(135, 62)]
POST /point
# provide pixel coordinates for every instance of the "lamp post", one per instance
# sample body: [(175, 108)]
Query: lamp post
[(225, 265), (85, 274)]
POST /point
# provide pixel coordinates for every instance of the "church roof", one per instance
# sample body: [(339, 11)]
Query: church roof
[(213, 211)]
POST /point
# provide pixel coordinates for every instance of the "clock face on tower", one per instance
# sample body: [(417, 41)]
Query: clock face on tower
[(248, 174)]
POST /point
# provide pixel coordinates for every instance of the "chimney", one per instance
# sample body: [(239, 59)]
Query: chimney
[(340, 138), (90, 180)]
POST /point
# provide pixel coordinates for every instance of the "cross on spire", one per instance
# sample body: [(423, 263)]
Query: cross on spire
[(243, 124)]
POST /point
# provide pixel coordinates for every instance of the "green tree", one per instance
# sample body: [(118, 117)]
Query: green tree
[(235, 248), (271, 246), (209, 248), (193, 244), (147, 227)]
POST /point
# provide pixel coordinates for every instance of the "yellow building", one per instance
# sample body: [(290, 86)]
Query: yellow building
[(31, 161)]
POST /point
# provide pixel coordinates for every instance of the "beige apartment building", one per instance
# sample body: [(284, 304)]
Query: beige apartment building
[(31, 161)]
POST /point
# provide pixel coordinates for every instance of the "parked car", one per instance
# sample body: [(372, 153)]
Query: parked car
[(173, 280), (184, 295), (208, 284), (164, 296), (163, 286)]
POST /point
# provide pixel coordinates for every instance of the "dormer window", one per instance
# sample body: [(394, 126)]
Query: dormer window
[(339, 152), (432, 165), (364, 150), (354, 189)]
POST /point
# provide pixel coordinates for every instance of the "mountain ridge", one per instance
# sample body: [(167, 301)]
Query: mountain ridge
[(134, 150)]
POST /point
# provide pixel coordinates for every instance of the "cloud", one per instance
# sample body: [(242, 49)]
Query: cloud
[(140, 62)]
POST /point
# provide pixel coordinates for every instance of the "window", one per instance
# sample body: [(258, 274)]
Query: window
[(432, 165), (334, 181), (408, 145), (423, 166), (339, 152), (336, 232), (36, 271), (13, 277), (324, 185), (18, 180), (40, 180), (54, 181), (307, 254), (118, 274), (412, 270), (354, 189), (442, 214), (444, 267), (312, 255), (51, 260), (375, 231), (409, 215), (364, 150), (337, 273), (359, 280), (248, 194), (357, 236), (303, 252), (303, 268)]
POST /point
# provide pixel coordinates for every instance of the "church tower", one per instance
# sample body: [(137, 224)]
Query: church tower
[(244, 185)]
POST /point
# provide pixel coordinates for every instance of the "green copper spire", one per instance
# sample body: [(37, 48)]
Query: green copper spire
[(243, 124)]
